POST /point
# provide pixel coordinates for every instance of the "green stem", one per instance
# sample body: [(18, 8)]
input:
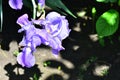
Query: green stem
[(119, 2), (1, 15), (34, 9)]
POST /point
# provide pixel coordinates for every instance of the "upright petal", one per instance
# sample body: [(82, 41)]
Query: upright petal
[(52, 16), (15, 4), (26, 58), (23, 20), (59, 25)]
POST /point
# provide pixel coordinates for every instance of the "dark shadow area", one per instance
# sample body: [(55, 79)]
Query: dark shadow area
[(28, 73), (10, 27), (114, 70), (54, 77)]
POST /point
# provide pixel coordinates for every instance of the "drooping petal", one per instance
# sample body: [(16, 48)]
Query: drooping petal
[(43, 35), (15, 4), (55, 43), (55, 52), (64, 31), (36, 41), (23, 20), (30, 31), (26, 58), (23, 42)]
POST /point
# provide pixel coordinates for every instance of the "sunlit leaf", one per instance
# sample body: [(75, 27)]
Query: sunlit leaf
[(59, 67), (15, 53), (107, 23), (59, 6), (93, 10), (106, 1)]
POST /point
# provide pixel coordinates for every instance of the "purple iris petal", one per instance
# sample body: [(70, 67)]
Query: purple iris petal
[(52, 16), (57, 29), (36, 41), (23, 20), (59, 25), (26, 58), (55, 43), (64, 30), (23, 42), (55, 52), (15, 4)]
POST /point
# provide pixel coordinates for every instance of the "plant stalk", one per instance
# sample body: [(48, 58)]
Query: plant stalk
[(1, 16), (34, 9)]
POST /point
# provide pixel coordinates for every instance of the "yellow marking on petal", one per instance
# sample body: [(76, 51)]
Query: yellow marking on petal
[(48, 30)]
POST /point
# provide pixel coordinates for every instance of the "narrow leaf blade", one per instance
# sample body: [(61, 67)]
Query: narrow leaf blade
[(57, 5)]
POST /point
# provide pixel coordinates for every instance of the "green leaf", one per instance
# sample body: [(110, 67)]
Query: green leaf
[(119, 2), (102, 41), (59, 6), (106, 1), (112, 1), (93, 10), (107, 23), (1, 16)]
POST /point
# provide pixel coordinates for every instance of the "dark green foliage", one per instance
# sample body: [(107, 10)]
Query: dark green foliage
[(58, 6)]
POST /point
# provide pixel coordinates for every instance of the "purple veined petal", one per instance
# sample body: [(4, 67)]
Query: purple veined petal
[(64, 30), (15, 4), (52, 16), (30, 32), (36, 41), (55, 27), (43, 35), (48, 39), (59, 25), (55, 43), (26, 58), (23, 20), (55, 52), (23, 42)]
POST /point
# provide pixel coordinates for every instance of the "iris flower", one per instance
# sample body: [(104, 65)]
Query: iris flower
[(57, 26), (17, 4), (54, 30)]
